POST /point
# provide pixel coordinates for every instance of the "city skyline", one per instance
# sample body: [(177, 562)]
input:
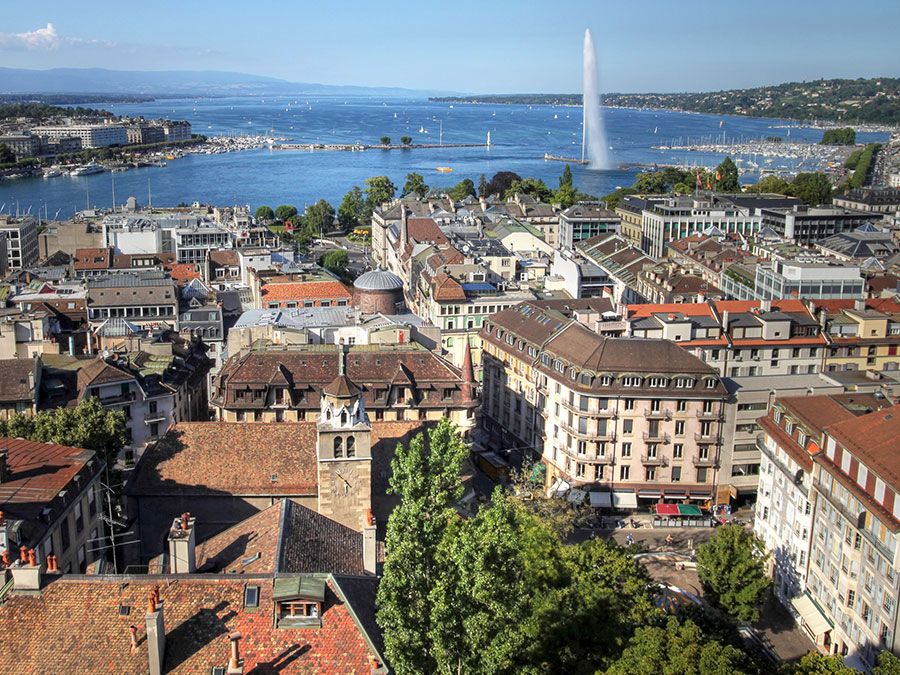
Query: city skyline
[(448, 48)]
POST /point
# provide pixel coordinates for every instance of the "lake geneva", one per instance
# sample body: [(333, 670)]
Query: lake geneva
[(520, 134)]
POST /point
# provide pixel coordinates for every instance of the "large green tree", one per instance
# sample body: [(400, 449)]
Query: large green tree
[(566, 178), (727, 176), (415, 185), (771, 184), (887, 664), (482, 186), (285, 211), (811, 188), (814, 663), (533, 187), (500, 182), (265, 213), (426, 476), (464, 188), (731, 567), (6, 155), (678, 648), (335, 261), (86, 425), (319, 218), (353, 209), (379, 189)]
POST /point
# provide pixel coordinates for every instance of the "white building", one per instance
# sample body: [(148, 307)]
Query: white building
[(91, 135)]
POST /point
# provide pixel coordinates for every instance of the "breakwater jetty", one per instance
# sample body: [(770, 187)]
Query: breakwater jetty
[(360, 147)]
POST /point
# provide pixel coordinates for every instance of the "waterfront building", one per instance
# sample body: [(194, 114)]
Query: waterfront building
[(50, 504), (632, 420), (22, 145), (21, 235), (90, 135), (808, 224), (585, 220)]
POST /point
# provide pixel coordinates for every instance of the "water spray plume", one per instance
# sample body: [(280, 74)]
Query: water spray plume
[(593, 145)]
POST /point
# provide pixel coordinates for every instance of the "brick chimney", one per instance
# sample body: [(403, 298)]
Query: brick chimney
[(156, 633), (235, 664), (26, 571), (369, 544), (183, 545)]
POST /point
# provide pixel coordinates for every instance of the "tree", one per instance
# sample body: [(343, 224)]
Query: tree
[(731, 567), (679, 647), (6, 155), (353, 210), (265, 214), (887, 664), (533, 187), (385, 140), (379, 189), (406, 140), (814, 663), (842, 136), (415, 184), (87, 425), (727, 176), (771, 184), (285, 211), (319, 218), (811, 188), (464, 188), (426, 477), (336, 261), (501, 182), (482, 186), (566, 178)]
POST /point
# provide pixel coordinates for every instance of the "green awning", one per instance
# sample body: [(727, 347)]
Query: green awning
[(307, 588), (689, 510)]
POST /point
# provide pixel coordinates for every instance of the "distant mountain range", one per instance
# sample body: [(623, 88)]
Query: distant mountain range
[(168, 83), (873, 100)]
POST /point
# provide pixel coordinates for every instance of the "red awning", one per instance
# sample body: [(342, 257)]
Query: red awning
[(667, 509)]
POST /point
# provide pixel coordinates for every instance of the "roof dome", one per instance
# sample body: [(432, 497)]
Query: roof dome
[(378, 280)]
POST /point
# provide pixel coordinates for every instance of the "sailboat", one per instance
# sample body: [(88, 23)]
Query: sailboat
[(721, 123), (655, 129), (422, 130)]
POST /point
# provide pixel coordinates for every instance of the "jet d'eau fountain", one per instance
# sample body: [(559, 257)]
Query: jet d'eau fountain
[(594, 150)]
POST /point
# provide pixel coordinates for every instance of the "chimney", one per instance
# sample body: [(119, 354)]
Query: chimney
[(5, 473), (26, 571), (156, 634), (725, 321), (403, 227), (235, 665), (765, 305), (860, 305), (468, 373), (369, 547), (183, 545)]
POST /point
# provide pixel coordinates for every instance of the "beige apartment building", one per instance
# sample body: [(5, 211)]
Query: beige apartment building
[(631, 421)]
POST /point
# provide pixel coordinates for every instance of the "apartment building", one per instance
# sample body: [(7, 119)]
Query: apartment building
[(91, 135), (586, 220), (21, 241), (53, 511), (862, 335), (147, 298), (808, 224), (622, 263), (631, 420), (809, 279)]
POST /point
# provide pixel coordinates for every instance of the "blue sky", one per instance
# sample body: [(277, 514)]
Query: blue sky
[(466, 45)]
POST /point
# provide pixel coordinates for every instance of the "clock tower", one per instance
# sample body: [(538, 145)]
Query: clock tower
[(344, 452)]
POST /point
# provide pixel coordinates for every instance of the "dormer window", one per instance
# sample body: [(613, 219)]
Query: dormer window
[(298, 602), (631, 381)]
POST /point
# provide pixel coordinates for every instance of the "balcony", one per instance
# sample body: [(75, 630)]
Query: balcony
[(712, 415), (657, 437), (606, 413), (589, 435), (708, 439), (705, 461), (665, 414), (655, 460)]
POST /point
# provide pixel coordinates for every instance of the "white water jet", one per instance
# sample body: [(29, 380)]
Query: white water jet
[(594, 148)]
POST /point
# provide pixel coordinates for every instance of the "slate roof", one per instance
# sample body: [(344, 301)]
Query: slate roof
[(76, 625)]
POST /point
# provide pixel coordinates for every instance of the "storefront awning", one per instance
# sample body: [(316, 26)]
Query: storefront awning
[(625, 500), (678, 510), (601, 500), (814, 619), (650, 494), (558, 489), (576, 496)]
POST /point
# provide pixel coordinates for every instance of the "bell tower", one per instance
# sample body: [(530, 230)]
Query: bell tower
[(344, 451)]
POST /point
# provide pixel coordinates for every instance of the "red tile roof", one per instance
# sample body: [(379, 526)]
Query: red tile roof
[(183, 272), (92, 258), (873, 439), (305, 290), (76, 625)]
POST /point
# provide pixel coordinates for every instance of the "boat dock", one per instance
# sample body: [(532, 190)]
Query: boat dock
[(360, 147), (560, 158)]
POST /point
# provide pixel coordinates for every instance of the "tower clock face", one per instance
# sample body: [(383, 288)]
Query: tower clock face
[(344, 481)]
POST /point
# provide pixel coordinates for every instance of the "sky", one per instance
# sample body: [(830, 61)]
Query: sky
[(479, 46)]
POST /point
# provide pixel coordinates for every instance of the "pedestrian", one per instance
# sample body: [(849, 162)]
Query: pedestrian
[(629, 539), (669, 540)]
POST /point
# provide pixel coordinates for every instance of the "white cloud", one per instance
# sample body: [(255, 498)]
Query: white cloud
[(42, 38)]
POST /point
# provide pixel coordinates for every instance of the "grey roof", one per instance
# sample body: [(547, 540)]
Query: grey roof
[(306, 317), (378, 280)]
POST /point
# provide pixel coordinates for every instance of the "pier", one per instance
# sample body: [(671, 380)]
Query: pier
[(360, 147), (569, 160)]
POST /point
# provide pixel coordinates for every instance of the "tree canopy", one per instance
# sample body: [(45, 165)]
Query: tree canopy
[(285, 211), (811, 188), (385, 140), (336, 261), (319, 217), (533, 187), (501, 182), (841, 136), (353, 209), (415, 184), (406, 140), (265, 213), (814, 663), (6, 154), (886, 664), (727, 176), (379, 189), (731, 567), (464, 188)]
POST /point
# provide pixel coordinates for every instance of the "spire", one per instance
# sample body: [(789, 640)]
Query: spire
[(468, 373)]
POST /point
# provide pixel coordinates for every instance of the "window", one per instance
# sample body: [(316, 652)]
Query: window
[(701, 474), (626, 449), (678, 451), (338, 447), (629, 404), (64, 534), (650, 473), (681, 406), (351, 445), (154, 407), (579, 470), (251, 596), (627, 427), (679, 428), (676, 474), (631, 381), (624, 472), (79, 518)]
